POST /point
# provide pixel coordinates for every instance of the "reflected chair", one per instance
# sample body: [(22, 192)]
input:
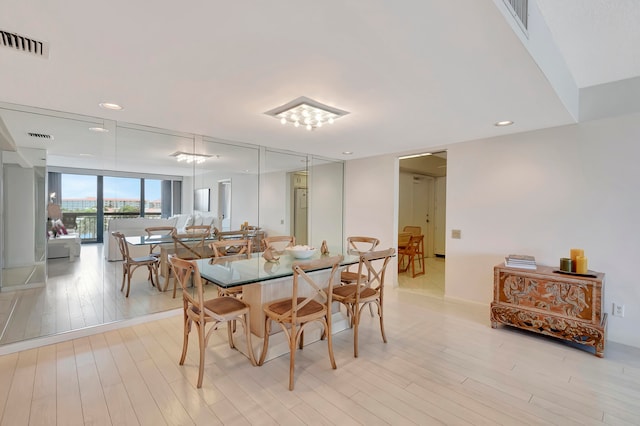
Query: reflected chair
[(188, 246), (367, 290), (213, 312), (294, 314), (408, 253), (279, 243), (198, 229), (160, 231), (130, 264), (230, 250)]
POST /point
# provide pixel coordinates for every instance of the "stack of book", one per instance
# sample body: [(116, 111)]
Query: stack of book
[(520, 261)]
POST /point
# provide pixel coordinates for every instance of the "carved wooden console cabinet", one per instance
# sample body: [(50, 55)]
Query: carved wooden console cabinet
[(565, 306)]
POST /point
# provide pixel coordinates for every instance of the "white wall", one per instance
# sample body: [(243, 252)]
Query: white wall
[(274, 215), (20, 213), (538, 193), (371, 186), (326, 196)]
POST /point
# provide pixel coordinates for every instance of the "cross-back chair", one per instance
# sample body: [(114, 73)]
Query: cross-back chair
[(203, 312), (409, 253), (307, 304), (357, 245), (367, 290), (130, 264), (160, 231), (230, 250), (278, 242)]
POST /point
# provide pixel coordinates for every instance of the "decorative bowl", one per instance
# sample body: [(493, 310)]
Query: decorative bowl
[(301, 252)]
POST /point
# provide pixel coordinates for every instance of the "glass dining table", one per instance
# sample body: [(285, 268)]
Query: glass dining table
[(265, 281)]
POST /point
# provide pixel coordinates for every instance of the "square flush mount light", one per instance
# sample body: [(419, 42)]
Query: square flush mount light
[(306, 112), (190, 158)]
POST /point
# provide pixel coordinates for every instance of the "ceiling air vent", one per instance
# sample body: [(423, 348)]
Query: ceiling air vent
[(24, 44), (40, 135), (520, 10)]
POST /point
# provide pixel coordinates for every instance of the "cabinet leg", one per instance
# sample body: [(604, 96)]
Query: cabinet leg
[(494, 324)]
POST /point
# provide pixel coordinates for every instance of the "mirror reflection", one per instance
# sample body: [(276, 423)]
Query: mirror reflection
[(71, 183)]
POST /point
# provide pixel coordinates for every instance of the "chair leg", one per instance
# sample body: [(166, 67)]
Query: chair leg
[(265, 343), (128, 281), (230, 330), (356, 323), (245, 324), (124, 274), (185, 340), (201, 342), (292, 354), (384, 337), (327, 331)]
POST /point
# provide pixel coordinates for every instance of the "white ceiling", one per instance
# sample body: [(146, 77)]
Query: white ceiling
[(415, 75)]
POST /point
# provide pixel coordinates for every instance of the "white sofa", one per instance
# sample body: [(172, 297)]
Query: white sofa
[(131, 227)]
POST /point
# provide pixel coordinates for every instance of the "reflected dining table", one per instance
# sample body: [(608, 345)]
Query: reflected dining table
[(264, 282)]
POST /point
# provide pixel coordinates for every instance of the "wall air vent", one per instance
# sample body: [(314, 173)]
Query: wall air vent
[(40, 136), (520, 11), (24, 44)]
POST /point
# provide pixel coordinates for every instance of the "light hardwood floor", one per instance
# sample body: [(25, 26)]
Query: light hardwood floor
[(78, 294), (443, 364), (429, 284)]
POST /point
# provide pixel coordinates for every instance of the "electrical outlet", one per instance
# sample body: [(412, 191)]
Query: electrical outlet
[(618, 310), (456, 234)]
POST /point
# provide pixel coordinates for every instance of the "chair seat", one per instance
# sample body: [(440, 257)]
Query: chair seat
[(222, 306), (311, 310), (144, 259), (348, 292)]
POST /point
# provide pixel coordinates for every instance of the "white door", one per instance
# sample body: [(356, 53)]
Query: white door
[(439, 231), (423, 209), (224, 204)]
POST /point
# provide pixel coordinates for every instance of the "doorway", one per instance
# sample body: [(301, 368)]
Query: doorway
[(422, 205), (224, 204)]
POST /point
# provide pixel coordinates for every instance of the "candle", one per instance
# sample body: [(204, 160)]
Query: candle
[(566, 264), (575, 252), (581, 265)]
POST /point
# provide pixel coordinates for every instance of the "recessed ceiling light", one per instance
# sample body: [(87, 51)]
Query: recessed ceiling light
[(99, 129), (503, 123), (347, 152), (109, 105)]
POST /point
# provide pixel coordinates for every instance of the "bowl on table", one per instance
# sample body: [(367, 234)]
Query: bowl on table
[(301, 252)]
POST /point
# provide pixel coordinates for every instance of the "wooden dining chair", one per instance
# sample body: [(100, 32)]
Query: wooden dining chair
[(203, 312), (130, 264), (416, 230), (308, 303), (279, 242), (409, 254), (367, 290), (357, 245), (151, 231), (187, 246), (231, 250), (198, 229)]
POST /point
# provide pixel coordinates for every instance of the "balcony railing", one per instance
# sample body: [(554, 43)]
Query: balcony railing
[(86, 224)]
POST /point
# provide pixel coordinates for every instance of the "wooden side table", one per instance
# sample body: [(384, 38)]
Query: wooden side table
[(568, 307)]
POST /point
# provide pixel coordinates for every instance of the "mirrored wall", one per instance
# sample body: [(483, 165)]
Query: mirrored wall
[(110, 176)]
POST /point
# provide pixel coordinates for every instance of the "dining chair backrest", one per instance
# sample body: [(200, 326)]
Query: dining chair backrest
[(236, 248), (159, 230), (414, 230), (198, 229), (356, 245), (190, 245), (239, 234), (122, 245), (372, 274), (318, 290), (186, 272), (279, 242)]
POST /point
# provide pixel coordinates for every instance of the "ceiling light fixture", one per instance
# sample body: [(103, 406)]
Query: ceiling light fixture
[(307, 112), (110, 105), (503, 123), (415, 155), (347, 152), (190, 157), (99, 129)]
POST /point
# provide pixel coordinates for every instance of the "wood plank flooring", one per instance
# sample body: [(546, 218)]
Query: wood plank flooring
[(78, 294), (443, 364)]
